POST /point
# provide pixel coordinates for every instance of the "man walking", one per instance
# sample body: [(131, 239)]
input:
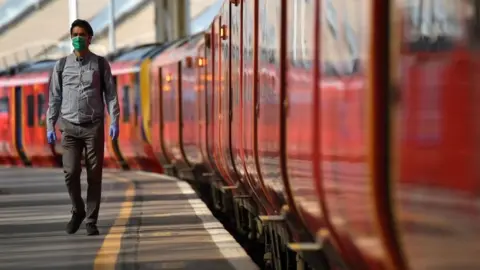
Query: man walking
[(78, 85)]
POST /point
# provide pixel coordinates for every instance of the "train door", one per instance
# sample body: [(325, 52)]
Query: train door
[(19, 116), (190, 110), (250, 107), (164, 91), (269, 105), (47, 157), (41, 118), (155, 104), (202, 81), (435, 131), (165, 88), (209, 89), (128, 132), (218, 119), (170, 111), (29, 135), (225, 94), (133, 102), (181, 112), (352, 128), (145, 117), (5, 133), (139, 142), (113, 154), (13, 156), (301, 94), (237, 92), (34, 131)]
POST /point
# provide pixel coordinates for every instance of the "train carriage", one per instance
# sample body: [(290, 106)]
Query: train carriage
[(27, 94), (8, 152), (174, 110)]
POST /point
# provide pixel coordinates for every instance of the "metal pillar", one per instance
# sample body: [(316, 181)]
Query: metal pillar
[(187, 17), (172, 19), (72, 13), (159, 21), (111, 26)]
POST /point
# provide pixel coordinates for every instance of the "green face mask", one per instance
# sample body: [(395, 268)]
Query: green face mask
[(79, 43)]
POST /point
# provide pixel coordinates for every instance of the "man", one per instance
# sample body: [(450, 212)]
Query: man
[(77, 88)]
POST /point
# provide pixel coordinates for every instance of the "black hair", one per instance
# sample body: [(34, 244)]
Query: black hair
[(83, 24)]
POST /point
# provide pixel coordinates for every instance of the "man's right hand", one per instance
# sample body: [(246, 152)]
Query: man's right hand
[(51, 137)]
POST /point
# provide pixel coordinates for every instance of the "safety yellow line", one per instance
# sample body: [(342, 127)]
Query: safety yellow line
[(107, 256)]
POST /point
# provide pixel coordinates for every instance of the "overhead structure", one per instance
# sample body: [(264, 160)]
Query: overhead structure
[(172, 19), (111, 26)]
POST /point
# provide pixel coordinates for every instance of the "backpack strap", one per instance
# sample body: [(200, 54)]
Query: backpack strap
[(61, 66), (101, 68)]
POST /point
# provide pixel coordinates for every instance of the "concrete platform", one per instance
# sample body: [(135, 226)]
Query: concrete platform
[(147, 221)]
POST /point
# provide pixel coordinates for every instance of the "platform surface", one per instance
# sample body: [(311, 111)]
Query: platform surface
[(147, 221)]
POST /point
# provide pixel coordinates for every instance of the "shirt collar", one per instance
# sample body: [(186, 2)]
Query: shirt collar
[(86, 56)]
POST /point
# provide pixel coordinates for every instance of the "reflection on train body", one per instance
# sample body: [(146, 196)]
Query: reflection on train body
[(437, 129)]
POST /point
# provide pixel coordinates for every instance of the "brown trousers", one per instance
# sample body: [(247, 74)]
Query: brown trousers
[(76, 139)]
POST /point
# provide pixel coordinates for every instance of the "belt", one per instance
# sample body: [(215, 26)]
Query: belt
[(87, 123)]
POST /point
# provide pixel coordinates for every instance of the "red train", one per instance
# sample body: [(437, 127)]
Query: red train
[(332, 134)]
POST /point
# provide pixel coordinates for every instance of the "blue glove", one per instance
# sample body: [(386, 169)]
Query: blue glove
[(114, 130), (51, 137)]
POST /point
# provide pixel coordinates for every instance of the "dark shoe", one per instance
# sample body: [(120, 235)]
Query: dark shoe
[(92, 229), (75, 222)]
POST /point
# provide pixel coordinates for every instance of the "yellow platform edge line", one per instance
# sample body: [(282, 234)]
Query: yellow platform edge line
[(107, 255)]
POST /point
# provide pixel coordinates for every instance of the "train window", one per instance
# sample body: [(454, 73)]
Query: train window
[(269, 31), (30, 110), (136, 110), (433, 25), (331, 16), (4, 105), (136, 105), (41, 109), (126, 103), (341, 38), (301, 14)]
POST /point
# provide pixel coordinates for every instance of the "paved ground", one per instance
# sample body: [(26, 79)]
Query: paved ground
[(147, 221)]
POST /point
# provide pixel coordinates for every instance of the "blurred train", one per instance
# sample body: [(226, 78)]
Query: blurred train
[(332, 134)]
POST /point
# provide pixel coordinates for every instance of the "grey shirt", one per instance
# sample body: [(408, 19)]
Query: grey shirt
[(80, 100)]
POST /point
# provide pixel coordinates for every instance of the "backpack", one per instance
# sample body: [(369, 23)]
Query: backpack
[(101, 69)]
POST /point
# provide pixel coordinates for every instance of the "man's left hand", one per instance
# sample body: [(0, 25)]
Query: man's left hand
[(114, 131)]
